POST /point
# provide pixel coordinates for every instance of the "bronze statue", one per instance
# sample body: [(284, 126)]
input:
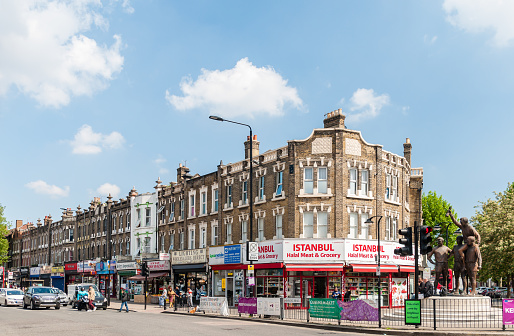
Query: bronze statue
[(441, 253), (459, 270), (473, 261), (467, 230)]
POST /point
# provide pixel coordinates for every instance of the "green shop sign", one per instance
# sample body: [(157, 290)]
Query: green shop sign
[(324, 308), (413, 312)]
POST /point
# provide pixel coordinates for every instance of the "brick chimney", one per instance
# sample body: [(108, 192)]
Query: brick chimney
[(19, 223), (334, 119), (407, 149), (182, 172), (255, 147)]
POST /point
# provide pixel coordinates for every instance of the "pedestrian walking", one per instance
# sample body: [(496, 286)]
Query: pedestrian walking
[(91, 295), (189, 297), (164, 297), (124, 299), (172, 295)]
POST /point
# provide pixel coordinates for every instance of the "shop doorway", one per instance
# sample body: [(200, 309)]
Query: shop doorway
[(230, 292), (306, 291), (320, 287)]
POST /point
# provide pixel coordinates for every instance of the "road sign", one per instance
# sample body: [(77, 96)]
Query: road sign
[(253, 251)]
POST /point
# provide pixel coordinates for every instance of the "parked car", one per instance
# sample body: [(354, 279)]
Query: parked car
[(100, 300), (11, 297), (63, 298), (37, 297)]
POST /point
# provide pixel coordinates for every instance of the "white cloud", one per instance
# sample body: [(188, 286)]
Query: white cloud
[(86, 141), (44, 53), (41, 187), (127, 7), (481, 15), (107, 188), (159, 162), (242, 90), (365, 104)]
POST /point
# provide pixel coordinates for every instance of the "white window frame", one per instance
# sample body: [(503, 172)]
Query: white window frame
[(229, 196), (260, 229), (162, 244), (203, 200), (364, 226), (308, 181), (353, 225), (214, 234), (244, 192), (182, 205), (353, 181), (172, 242), (215, 200), (172, 211), (192, 206), (229, 233), (322, 183), (364, 182), (148, 244), (388, 186), (279, 190), (394, 188), (244, 231), (322, 224), (278, 226), (388, 228), (203, 237), (261, 188), (191, 242), (308, 224), (148, 216), (181, 240)]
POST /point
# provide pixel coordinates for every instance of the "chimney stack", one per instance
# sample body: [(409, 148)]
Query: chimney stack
[(255, 147), (19, 223), (334, 119), (407, 149)]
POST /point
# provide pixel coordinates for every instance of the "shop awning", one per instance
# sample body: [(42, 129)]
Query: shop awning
[(372, 268), (245, 266), (407, 269), (151, 276), (314, 267), (187, 267)]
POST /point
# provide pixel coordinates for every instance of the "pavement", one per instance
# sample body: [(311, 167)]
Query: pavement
[(399, 330)]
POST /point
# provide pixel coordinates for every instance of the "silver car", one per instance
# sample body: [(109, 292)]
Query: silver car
[(36, 297), (63, 298), (11, 297)]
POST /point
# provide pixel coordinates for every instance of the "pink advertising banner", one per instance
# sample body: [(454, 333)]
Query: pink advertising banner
[(508, 311)]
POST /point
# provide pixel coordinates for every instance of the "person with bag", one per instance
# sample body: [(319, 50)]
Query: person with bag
[(164, 296), (91, 295), (124, 299), (172, 295)]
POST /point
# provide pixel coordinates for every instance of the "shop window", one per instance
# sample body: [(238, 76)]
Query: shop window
[(244, 194), (354, 225), (260, 227), (278, 226), (308, 222), (244, 231), (322, 224), (308, 181)]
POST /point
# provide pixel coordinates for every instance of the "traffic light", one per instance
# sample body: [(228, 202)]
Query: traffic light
[(406, 240), (425, 239), (144, 269)]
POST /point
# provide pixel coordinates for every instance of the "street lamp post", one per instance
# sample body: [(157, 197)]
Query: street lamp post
[(439, 227), (370, 221), (109, 250), (250, 190)]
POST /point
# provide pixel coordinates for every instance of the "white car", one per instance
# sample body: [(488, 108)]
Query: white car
[(11, 297)]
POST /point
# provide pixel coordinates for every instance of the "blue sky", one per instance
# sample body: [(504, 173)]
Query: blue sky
[(100, 96)]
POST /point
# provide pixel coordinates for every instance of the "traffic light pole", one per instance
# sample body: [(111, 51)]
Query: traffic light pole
[(146, 283), (416, 257)]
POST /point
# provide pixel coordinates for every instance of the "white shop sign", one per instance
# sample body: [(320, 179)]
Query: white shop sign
[(215, 305), (35, 270), (313, 251), (268, 306), (270, 252), (127, 266), (161, 265), (198, 256), (365, 251)]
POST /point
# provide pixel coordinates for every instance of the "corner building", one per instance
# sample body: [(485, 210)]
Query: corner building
[(313, 192)]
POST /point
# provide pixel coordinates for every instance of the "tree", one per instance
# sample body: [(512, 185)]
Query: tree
[(494, 220), (434, 213), (4, 244)]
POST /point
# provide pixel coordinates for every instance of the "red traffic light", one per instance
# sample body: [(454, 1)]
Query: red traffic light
[(424, 230)]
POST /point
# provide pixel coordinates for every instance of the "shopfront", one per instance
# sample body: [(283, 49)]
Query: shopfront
[(86, 270), (57, 275), (71, 275), (190, 270), (125, 270), (106, 272), (34, 273), (228, 275), (361, 277)]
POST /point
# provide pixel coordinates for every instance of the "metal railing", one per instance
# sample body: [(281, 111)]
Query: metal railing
[(477, 313)]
